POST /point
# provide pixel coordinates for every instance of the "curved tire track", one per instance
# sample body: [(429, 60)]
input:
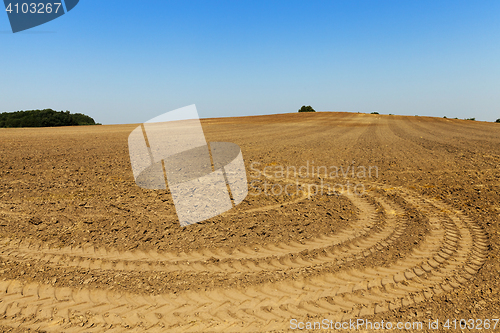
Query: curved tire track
[(357, 235), (451, 253)]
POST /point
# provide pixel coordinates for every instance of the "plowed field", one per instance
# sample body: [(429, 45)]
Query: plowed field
[(414, 238)]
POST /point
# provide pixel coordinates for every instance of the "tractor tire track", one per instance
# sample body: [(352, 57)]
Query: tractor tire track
[(357, 235), (453, 250)]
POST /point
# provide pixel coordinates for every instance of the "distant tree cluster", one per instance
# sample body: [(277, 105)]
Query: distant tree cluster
[(44, 118), (498, 121), (306, 109)]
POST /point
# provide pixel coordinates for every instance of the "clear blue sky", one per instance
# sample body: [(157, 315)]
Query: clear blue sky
[(125, 61)]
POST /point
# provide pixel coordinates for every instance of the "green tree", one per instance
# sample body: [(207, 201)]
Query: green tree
[(306, 109)]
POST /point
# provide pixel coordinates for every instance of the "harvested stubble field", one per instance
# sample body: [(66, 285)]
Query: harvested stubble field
[(83, 249)]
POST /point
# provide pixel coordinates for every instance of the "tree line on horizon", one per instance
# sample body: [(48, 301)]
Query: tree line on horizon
[(309, 108), (44, 118)]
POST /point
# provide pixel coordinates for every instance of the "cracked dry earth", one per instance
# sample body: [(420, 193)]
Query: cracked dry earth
[(83, 249)]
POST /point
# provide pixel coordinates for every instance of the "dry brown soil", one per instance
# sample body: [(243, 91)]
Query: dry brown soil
[(83, 249)]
